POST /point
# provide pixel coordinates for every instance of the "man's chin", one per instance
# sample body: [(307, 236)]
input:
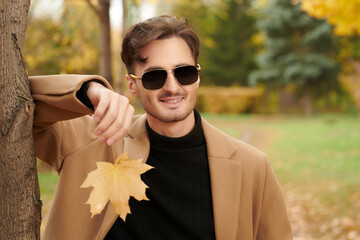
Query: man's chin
[(170, 116)]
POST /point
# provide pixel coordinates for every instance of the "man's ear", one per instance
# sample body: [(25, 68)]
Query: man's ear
[(131, 85)]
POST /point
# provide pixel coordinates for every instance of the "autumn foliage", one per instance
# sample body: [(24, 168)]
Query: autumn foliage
[(344, 15)]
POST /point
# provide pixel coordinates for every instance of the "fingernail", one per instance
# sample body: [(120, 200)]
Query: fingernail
[(98, 132), (110, 141), (101, 138)]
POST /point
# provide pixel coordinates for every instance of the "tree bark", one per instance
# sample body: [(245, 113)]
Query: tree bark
[(20, 205)]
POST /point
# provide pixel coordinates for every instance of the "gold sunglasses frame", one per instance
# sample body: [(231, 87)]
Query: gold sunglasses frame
[(198, 67)]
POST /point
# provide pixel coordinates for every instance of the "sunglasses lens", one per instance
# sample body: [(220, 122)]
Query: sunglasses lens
[(186, 75), (154, 79)]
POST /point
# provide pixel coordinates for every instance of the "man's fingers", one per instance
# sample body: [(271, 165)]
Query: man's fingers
[(109, 117), (101, 107), (120, 127), (112, 111)]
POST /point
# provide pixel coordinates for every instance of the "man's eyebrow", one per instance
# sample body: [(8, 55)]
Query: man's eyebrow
[(184, 64), (158, 67), (152, 68)]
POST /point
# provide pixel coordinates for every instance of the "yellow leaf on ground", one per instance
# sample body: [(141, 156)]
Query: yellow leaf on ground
[(116, 182)]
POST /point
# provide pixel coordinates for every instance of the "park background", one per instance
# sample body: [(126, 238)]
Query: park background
[(281, 75)]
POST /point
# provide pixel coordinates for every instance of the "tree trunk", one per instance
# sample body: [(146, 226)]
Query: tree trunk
[(20, 205), (287, 99), (306, 101), (105, 45), (357, 101), (122, 65)]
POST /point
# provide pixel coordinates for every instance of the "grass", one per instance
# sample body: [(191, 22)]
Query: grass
[(325, 147), (47, 181), (317, 162), (311, 150)]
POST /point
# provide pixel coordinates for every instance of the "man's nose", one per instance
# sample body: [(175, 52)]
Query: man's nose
[(171, 84)]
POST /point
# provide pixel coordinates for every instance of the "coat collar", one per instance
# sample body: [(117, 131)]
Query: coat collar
[(225, 176)]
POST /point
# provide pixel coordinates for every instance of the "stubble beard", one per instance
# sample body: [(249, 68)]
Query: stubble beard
[(169, 119)]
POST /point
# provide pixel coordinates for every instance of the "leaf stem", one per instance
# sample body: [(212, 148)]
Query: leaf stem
[(113, 151)]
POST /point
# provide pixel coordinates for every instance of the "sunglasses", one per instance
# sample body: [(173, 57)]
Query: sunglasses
[(155, 79)]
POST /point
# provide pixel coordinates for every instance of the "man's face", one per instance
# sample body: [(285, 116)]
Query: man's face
[(173, 102)]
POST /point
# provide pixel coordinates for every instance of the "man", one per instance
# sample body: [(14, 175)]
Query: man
[(204, 184)]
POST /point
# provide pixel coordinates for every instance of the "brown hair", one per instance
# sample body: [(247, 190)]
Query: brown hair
[(156, 28)]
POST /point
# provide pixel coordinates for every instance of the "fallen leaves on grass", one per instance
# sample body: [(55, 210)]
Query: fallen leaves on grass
[(313, 218), (116, 182)]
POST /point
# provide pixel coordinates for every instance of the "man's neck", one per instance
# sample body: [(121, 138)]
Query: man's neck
[(172, 129)]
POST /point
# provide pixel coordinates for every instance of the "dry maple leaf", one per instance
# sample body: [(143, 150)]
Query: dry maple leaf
[(116, 182)]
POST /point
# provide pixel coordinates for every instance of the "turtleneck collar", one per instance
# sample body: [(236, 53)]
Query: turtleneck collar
[(190, 140)]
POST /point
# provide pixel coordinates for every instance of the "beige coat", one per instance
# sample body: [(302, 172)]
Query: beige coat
[(247, 200)]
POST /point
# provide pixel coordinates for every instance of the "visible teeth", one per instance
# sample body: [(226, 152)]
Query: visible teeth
[(173, 101)]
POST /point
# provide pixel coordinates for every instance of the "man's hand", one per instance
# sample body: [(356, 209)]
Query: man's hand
[(112, 111)]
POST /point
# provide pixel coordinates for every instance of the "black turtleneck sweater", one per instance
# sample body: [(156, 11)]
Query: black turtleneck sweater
[(180, 205)]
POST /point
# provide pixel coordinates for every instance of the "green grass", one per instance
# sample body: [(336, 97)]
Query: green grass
[(317, 150), (47, 182)]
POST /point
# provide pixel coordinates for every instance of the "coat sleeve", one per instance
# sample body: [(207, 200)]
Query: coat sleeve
[(274, 223), (56, 101)]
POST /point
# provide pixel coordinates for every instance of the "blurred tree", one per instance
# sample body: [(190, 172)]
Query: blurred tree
[(232, 56), (345, 17), (71, 43), (65, 45), (20, 205), (130, 13), (121, 76), (226, 29), (349, 52), (102, 10), (299, 50)]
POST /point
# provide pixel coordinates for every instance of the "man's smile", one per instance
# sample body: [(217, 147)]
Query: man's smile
[(176, 100)]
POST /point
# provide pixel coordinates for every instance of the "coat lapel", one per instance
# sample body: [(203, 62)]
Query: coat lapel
[(226, 178)]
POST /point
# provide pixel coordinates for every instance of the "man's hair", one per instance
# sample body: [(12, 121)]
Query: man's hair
[(156, 28)]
